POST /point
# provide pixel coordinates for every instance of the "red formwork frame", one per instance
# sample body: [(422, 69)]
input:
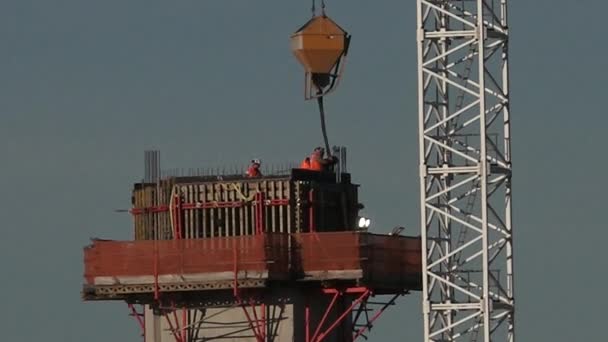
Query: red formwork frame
[(358, 310), (359, 306), (179, 331), (202, 205), (311, 211)]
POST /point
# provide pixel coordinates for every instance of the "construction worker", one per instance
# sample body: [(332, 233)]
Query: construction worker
[(305, 164), (317, 162), (254, 169)]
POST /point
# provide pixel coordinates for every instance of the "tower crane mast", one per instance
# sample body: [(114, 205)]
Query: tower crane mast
[(465, 170)]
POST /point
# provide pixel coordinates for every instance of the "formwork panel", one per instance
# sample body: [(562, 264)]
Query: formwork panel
[(198, 207)]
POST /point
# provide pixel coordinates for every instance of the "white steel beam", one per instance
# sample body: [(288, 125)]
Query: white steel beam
[(465, 168)]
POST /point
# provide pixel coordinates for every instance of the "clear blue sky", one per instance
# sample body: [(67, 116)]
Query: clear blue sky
[(86, 86)]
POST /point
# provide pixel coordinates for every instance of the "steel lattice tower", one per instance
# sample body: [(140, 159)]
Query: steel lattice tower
[(465, 170)]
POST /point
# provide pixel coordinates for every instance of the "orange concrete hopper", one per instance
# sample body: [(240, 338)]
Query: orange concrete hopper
[(320, 46)]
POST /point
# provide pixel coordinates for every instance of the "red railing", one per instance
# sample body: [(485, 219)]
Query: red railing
[(379, 258), (187, 256)]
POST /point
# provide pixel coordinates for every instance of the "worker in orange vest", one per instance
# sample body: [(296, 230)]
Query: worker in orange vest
[(316, 161), (254, 169), (305, 163)]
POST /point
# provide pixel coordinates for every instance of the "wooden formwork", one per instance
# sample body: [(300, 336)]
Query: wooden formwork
[(199, 207)]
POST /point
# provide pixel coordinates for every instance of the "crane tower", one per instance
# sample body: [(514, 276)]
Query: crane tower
[(465, 170)]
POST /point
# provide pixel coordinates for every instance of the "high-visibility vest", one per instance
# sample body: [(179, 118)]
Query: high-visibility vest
[(315, 164), (305, 164), (253, 172)]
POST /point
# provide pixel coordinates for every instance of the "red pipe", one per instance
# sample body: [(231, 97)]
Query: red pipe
[(173, 331), (210, 205), (257, 335), (184, 323), (235, 270), (255, 316), (311, 212), (327, 311), (140, 211), (347, 312), (175, 317), (140, 321), (204, 205), (263, 308)]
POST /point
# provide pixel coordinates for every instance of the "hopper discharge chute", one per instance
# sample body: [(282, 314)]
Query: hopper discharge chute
[(321, 47)]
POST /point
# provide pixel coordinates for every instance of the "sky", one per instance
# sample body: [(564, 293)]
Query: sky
[(86, 86)]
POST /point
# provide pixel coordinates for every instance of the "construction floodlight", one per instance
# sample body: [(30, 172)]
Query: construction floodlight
[(363, 222)]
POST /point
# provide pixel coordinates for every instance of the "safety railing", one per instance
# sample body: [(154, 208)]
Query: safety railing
[(261, 253), (381, 259)]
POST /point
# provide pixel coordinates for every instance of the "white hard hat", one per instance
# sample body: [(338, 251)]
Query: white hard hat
[(256, 161)]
